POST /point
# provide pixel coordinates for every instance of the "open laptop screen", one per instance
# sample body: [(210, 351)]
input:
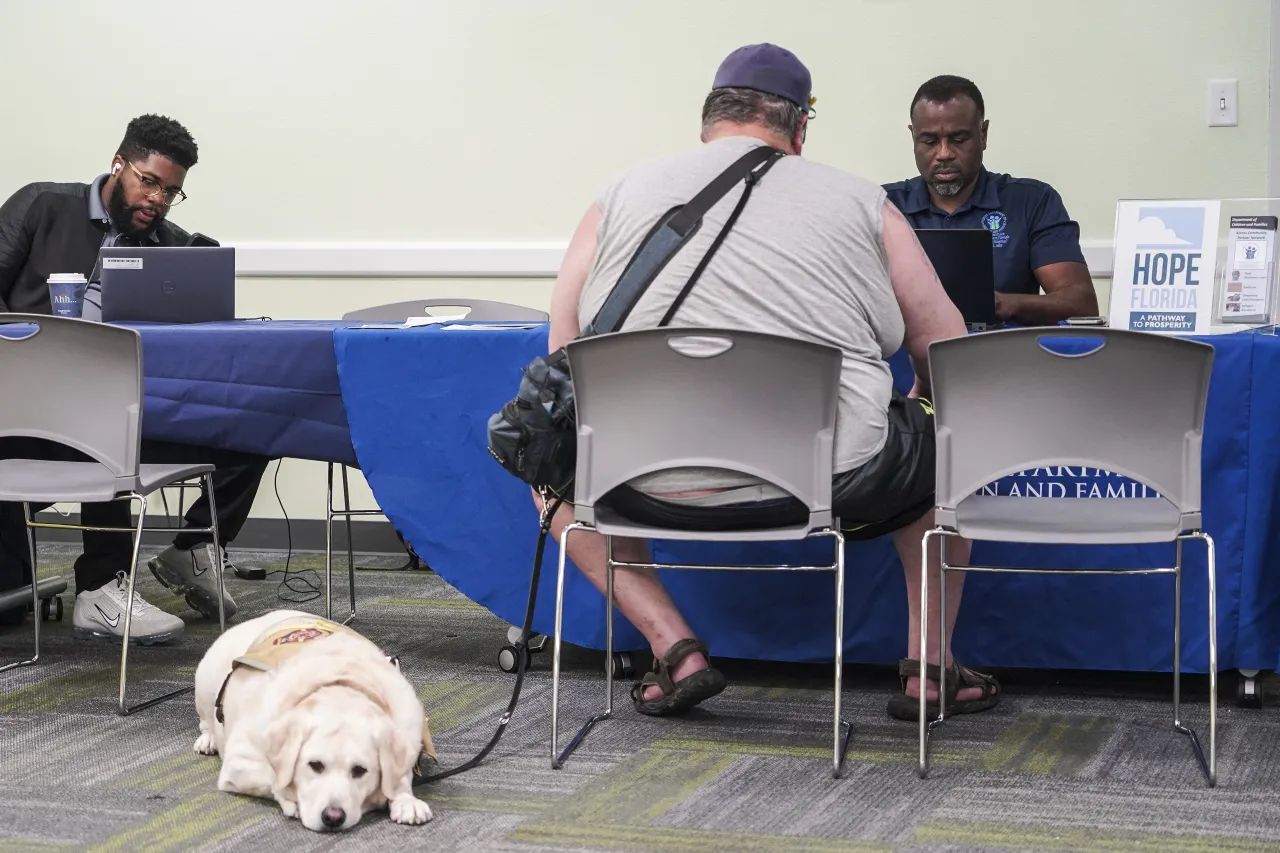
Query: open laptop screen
[(963, 259)]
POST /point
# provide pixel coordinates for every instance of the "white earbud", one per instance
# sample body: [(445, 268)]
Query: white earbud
[(115, 168)]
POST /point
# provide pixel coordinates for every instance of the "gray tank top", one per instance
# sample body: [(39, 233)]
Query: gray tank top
[(806, 260)]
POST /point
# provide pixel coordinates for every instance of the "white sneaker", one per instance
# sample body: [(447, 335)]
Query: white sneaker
[(99, 613), (191, 574)]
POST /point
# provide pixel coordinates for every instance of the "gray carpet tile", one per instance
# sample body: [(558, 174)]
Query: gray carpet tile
[(1079, 763)]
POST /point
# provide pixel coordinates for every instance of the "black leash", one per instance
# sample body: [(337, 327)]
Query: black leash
[(522, 655)]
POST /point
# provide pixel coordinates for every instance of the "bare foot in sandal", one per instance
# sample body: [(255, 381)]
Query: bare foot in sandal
[(681, 678), (968, 691), (966, 694), (688, 666)]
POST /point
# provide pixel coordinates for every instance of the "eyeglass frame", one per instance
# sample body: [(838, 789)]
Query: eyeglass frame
[(178, 195)]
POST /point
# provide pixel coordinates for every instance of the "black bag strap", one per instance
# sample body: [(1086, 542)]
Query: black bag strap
[(671, 232), (752, 178)]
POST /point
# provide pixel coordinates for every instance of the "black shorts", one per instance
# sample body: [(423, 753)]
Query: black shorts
[(890, 491)]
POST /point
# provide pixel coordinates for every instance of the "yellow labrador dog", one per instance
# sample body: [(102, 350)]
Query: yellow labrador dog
[(313, 715)]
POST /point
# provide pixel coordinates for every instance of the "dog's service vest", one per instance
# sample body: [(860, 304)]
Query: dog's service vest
[(285, 639)]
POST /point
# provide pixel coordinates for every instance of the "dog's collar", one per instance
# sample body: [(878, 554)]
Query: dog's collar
[(222, 691)]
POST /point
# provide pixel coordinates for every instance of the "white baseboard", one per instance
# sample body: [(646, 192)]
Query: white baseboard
[(452, 260), (395, 260)]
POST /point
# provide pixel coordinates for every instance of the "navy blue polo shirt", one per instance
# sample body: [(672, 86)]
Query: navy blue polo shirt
[(1028, 222)]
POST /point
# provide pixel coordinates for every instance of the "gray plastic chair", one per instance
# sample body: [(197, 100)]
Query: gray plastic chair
[(480, 310), (397, 312), (80, 384), (1127, 402), (670, 398)]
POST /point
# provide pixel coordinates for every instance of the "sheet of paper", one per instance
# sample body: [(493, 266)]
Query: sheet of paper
[(1251, 256), (432, 320), (491, 326)]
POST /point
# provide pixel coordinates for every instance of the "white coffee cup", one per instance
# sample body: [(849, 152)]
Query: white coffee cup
[(66, 293)]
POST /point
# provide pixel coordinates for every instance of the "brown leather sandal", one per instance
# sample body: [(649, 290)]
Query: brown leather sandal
[(905, 707), (680, 696)]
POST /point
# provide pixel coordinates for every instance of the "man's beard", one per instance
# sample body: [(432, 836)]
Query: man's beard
[(947, 189), (122, 214)]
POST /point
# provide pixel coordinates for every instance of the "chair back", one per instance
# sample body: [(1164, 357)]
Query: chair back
[(74, 382), (481, 310), (1131, 403), (658, 399)]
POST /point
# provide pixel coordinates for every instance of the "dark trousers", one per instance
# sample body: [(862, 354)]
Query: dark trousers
[(235, 484), (15, 559)]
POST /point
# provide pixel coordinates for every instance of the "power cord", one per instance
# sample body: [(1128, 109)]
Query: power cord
[(522, 655), (296, 587)]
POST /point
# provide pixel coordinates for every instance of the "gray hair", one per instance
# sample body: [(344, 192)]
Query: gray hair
[(747, 106)]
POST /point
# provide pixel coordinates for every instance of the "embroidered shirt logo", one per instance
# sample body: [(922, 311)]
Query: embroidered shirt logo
[(995, 222)]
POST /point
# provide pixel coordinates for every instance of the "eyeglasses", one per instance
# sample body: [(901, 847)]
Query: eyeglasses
[(151, 188)]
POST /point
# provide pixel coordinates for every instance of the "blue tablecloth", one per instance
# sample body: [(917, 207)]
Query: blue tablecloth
[(258, 387), (418, 401)]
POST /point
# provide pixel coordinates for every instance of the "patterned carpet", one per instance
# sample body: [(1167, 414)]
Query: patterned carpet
[(1085, 763)]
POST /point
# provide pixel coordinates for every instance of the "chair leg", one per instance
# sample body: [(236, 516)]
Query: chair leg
[(555, 649), (124, 708), (328, 547), (35, 593), (926, 726), (1208, 766), (608, 627), (35, 583), (1177, 636), (558, 758), (217, 552), (842, 732), (351, 553), (942, 635), (1212, 776)]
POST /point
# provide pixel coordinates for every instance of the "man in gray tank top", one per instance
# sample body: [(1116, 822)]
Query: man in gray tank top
[(819, 255)]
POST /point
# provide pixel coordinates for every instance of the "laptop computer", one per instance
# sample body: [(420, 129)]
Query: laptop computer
[(168, 284), (963, 259)]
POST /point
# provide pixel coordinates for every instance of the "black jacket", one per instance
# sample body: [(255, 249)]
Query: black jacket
[(46, 228)]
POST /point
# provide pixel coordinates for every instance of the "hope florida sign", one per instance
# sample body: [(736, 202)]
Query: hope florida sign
[(1165, 266)]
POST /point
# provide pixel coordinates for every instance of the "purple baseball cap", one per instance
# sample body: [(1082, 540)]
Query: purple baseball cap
[(767, 68)]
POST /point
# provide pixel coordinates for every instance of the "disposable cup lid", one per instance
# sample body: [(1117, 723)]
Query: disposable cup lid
[(67, 278)]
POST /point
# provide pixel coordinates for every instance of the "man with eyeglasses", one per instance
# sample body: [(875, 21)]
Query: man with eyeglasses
[(56, 227)]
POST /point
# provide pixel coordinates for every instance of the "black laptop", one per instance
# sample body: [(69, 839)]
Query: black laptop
[(963, 260), (168, 284)]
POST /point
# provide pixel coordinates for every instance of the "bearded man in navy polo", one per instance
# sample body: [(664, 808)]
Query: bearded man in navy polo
[(1041, 276)]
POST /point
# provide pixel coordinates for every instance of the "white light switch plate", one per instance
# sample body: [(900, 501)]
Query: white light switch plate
[(1224, 104)]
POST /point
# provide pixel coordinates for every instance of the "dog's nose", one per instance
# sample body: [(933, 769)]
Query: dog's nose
[(332, 817)]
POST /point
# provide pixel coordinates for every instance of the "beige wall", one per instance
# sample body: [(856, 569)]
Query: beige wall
[(495, 122)]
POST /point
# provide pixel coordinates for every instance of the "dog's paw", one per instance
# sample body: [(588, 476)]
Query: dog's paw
[(206, 745), (288, 807), (408, 809)]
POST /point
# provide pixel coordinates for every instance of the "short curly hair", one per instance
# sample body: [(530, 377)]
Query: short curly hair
[(153, 134), (941, 89)]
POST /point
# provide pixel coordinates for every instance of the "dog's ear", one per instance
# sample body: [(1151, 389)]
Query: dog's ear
[(283, 745), (396, 758)]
